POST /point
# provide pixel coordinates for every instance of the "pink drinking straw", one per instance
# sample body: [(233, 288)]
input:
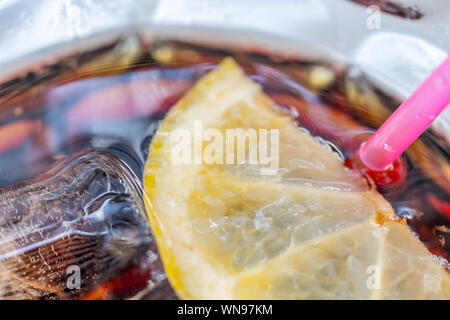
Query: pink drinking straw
[(409, 121)]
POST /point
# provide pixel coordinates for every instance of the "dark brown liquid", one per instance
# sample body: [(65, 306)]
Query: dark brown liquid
[(74, 138), (393, 7)]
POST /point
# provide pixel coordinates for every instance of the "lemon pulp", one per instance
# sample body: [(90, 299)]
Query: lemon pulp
[(311, 230)]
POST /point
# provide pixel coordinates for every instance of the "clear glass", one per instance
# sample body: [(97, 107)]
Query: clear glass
[(377, 68)]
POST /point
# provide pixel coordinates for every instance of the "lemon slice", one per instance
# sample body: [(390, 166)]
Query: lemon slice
[(310, 230)]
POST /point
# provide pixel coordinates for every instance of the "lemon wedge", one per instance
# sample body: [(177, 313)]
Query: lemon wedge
[(312, 229)]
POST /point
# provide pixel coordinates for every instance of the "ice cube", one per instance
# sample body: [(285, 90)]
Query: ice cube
[(84, 215)]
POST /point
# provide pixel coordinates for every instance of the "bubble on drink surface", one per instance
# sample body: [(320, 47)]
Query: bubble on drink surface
[(85, 212)]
